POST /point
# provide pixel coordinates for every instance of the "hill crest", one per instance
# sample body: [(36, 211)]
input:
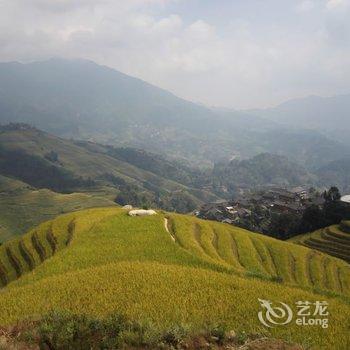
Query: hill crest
[(110, 261)]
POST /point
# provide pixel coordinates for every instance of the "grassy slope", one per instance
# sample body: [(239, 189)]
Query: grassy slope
[(114, 262), (90, 162), (333, 240), (35, 206)]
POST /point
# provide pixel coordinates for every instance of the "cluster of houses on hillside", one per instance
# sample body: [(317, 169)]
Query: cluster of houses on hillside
[(270, 200)]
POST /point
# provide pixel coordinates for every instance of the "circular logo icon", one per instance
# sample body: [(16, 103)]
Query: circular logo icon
[(272, 316)]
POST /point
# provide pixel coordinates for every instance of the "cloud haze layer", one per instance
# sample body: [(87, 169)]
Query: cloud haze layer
[(240, 54)]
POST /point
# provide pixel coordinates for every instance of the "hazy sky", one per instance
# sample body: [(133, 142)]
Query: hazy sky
[(237, 53)]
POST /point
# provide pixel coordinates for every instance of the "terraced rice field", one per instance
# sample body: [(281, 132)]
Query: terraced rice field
[(259, 255), (169, 269), (333, 240), (209, 244), (18, 200), (22, 255)]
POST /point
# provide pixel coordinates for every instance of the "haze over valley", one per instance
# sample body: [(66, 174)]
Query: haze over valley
[(78, 126)]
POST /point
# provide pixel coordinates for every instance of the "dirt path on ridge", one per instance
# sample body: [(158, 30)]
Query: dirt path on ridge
[(166, 225)]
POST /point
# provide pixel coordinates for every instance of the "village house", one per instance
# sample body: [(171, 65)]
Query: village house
[(273, 200)]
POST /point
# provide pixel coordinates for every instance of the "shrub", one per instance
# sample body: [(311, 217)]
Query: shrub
[(276, 279), (219, 331), (242, 337), (62, 330), (174, 335)]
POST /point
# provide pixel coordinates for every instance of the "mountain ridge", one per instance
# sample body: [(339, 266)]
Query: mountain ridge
[(329, 115), (82, 100)]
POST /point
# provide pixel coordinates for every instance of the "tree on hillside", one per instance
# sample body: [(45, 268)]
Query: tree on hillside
[(284, 225), (333, 194), (332, 212), (313, 219)]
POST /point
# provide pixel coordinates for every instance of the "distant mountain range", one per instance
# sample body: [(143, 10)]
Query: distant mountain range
[(336, 173), (329, 115), (82, 100)]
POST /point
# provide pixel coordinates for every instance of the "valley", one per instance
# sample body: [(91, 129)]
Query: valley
[(40, 170), (174, 175), (82, 144), (68, 175)]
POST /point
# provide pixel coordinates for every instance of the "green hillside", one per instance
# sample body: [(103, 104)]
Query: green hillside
[(43, 161), (93, 162), (333, 240), (260, 170), (336, 172), (34, 206), (168, 269)]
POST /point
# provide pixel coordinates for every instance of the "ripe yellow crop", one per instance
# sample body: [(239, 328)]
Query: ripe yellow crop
[(99, 261)]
